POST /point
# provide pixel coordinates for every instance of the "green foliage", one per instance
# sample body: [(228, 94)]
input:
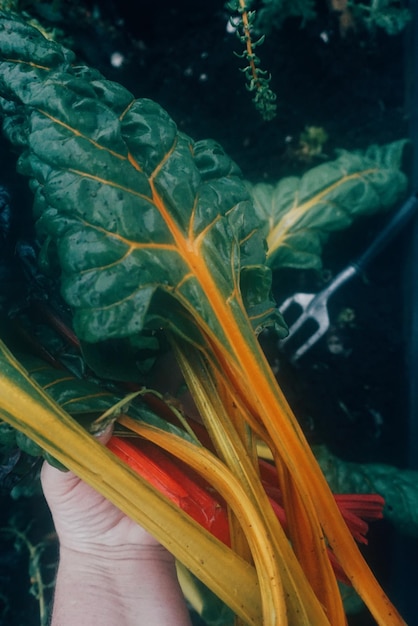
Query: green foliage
[(273, 13), (9, 5), (252, 27), (390, 15), (311, 143), (300, 213), (40, 571), (258, 80), (398, 487)]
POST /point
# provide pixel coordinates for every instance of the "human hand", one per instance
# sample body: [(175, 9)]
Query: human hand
[(84, 520), (111, 570)]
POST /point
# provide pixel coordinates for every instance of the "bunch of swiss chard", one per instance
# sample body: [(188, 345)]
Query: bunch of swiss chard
[(156, 240)]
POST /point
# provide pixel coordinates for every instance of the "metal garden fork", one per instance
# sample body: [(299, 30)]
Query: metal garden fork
[(314, 307)]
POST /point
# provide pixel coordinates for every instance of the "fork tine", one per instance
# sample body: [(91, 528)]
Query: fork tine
[(313, 338), (314, 308), (303, 301)]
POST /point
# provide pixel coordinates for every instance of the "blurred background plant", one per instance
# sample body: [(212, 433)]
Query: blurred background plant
[(390, 15)]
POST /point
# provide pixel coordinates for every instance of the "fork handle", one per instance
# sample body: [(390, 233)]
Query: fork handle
[(392, 228), (356, 267)]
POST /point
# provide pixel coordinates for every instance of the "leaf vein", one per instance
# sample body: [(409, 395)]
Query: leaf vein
[(296, 213), (30, 63), (77, 133)]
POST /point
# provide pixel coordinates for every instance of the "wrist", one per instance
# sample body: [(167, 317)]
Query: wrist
[(117, 569), (117, 587), (99, 555)]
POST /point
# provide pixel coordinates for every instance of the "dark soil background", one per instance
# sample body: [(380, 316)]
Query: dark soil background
[(357, 88)]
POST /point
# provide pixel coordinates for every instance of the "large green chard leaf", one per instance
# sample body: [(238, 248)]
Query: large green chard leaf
[(126, 198), (299, 214)]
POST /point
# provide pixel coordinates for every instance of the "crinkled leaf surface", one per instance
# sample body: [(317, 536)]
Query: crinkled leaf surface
[(134, 208), (299, 213)]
